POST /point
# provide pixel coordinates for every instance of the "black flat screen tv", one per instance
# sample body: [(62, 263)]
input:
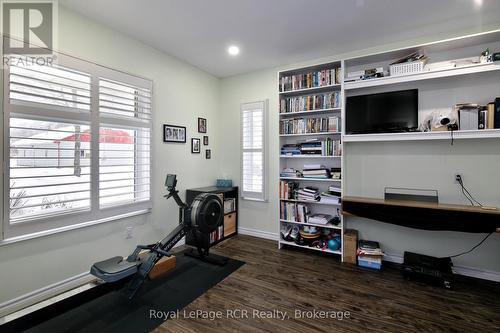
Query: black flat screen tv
[(395, 111)]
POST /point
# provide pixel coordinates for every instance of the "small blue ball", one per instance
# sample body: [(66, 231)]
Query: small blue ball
[(334, 244)]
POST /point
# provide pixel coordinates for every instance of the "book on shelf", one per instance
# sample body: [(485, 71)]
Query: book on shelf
[(321, 219), (306, 125), (291, 173), (329, 100), (314, 79)]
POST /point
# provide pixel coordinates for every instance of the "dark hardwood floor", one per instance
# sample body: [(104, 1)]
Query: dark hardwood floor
[(292, 279)]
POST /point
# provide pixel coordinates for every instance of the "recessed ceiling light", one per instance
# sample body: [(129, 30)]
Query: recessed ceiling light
[(233, 50), (478, 3)]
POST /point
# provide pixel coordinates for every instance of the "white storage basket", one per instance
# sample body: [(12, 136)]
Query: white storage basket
[(407, 68)]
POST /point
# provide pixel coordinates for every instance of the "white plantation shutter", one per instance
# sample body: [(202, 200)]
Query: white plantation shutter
[(124, 143), (253, 152), (78, 147)]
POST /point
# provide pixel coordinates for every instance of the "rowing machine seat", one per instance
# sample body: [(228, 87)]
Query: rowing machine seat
[(114, 269)]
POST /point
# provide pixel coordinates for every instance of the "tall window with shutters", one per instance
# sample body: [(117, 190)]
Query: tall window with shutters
[(77, 145), (253, 150)]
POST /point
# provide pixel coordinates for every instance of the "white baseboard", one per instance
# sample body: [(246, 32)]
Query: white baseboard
[(460, 270), (44, 293), (258, 233)]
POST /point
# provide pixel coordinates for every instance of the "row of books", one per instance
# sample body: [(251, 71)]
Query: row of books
[(310, 125), (328, 100), (294, 212), (324, 147), (321, 78), (287, 189), (217, 234)]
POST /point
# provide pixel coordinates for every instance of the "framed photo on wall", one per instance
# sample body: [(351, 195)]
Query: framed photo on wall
[(172, 133), (205, 140), (208, 154), (195, 145), (202, 125)]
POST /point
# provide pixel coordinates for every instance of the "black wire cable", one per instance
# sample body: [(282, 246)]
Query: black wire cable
[(473, 248), (468, 195)]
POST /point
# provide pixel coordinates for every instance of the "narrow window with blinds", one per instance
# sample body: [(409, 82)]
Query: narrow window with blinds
[(78, 152), (253, 151)]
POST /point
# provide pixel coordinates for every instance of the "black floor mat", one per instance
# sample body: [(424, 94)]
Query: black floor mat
[(113, 312)]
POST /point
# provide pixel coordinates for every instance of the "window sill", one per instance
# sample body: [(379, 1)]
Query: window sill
[(71, 227)]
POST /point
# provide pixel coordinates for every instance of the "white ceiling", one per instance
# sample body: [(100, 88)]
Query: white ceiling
[(278, 32)]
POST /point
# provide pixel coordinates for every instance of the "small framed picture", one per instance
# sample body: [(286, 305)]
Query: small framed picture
[(195, 145), (172, 133), (208, 154), (202, 125), (205, 140)]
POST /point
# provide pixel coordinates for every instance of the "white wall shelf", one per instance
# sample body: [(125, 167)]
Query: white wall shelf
[(299, 179), (309, 247), (312, 202), (311, 134), (429, 75), (308, 156), (313, 90), (418, 136), (301, 113), (328, 225)]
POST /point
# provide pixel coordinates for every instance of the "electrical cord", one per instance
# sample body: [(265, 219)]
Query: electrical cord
[(474, 247), (467, 194)]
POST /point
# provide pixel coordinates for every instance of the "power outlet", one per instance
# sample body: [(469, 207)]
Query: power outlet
[(457, 178), (129, 233)]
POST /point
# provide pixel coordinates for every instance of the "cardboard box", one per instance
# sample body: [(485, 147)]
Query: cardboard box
[(350, 245)]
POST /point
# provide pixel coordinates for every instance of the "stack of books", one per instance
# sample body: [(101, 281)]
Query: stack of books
[(332, 196), (290, 172), (316, 172), (290, 150), (307, 194), (369, 254), (321, 219)]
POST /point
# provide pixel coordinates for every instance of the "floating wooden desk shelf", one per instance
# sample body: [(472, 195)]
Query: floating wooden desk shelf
[(424, 215)]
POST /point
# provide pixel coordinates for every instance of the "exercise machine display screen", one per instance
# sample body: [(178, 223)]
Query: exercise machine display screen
[(171, 181)]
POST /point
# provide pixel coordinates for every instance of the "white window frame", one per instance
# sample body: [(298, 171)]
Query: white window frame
[(35, 227), (256, 196)]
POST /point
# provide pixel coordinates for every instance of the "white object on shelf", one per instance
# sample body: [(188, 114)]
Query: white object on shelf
[(417, 136), (407, 68)]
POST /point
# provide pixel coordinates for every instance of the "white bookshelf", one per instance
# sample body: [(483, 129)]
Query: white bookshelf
[(297, 161)]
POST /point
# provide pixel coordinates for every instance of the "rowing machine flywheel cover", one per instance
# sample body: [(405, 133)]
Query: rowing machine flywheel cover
[(206, 212)]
